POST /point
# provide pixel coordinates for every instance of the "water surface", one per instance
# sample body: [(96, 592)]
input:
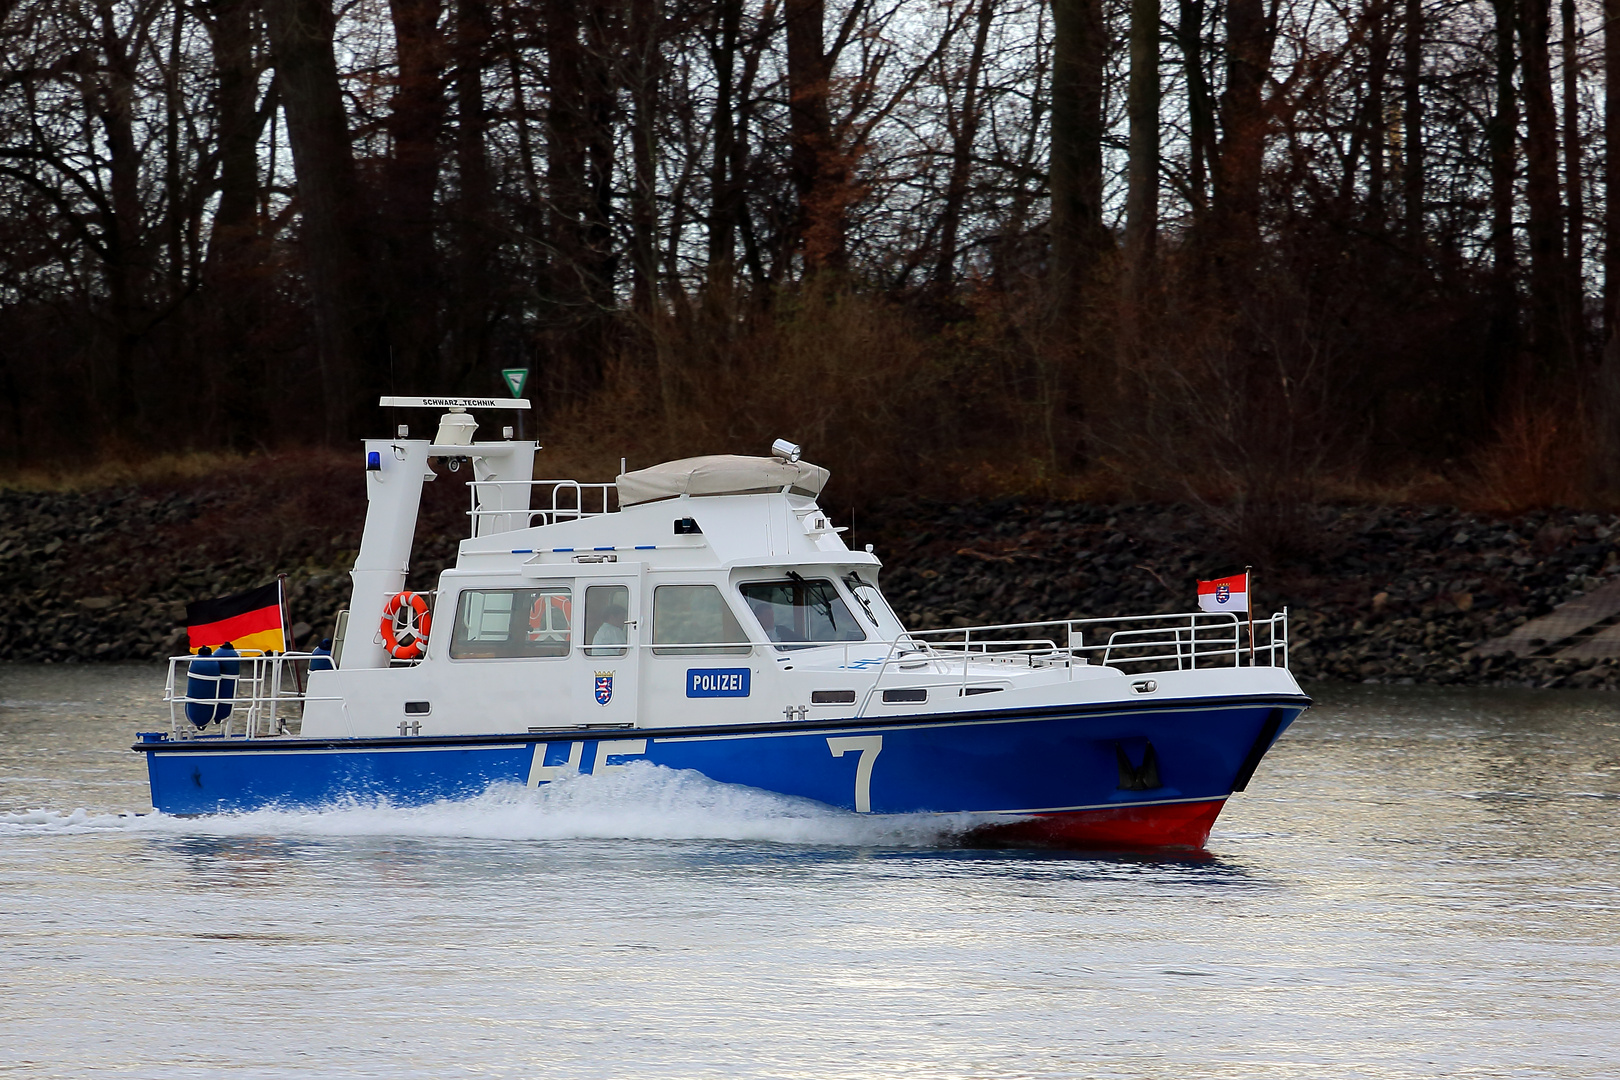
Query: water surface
[(1419, 883)]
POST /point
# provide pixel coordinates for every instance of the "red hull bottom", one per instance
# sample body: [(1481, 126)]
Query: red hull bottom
[(1169, 825)]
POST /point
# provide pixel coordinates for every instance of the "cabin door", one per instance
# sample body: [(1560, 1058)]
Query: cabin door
[(606, 662)]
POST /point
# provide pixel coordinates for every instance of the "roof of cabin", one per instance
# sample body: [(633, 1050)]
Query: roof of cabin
[(720, 474)]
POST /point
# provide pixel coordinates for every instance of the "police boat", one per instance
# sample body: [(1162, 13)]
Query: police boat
[(706, 614)]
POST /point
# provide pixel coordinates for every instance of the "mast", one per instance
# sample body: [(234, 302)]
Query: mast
[(396, 469)]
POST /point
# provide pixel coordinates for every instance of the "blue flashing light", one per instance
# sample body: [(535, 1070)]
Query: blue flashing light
[(600, 547), (523, 551), (373, 461), (646, 547), (562, 549)]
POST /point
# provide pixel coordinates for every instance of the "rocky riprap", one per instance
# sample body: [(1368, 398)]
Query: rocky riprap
[(1383, 594), (107, 574)]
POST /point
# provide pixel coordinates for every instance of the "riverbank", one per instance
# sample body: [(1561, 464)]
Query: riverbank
[(1383, 594)]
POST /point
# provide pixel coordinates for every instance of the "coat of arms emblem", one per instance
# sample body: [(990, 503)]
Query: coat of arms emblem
[(604, 687), (1223, 593)]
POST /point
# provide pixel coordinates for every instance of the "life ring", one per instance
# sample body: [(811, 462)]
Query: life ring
[(544, 624), (406, 639)]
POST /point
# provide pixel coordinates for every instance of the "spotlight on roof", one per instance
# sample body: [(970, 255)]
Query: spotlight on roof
[(787, 451)]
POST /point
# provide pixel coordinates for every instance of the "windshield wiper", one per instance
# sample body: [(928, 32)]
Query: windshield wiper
[(823, 605), (854, 582)]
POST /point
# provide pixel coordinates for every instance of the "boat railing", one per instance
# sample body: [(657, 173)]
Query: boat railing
[(265, 698), (501, 505), (1134, 645)]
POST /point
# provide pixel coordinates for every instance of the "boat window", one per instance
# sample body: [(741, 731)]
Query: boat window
[(688, 615), (504, 623), (607, 608), (799, 612)]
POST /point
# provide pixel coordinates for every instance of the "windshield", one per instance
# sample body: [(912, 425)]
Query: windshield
[(800, 611)]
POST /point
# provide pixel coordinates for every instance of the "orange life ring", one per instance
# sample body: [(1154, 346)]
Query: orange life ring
[(406, 639), (540, 624)]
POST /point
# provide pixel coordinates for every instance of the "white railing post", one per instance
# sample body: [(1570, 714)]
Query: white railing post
[(967, 650), (168, 695)]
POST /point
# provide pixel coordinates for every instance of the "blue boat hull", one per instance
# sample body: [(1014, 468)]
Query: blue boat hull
[(1164, 772)]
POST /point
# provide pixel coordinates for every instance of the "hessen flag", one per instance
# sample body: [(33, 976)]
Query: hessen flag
[(1224, 594), (250, 621)]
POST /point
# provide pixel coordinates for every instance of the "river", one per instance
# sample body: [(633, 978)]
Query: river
[(1418, 883)]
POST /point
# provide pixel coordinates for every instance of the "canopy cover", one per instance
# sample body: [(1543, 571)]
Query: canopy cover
[(720, 474)]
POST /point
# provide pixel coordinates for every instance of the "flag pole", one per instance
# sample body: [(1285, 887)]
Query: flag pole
[(286, 628), (1248, 602)]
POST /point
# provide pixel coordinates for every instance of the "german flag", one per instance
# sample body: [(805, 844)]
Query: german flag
[(248, 621)]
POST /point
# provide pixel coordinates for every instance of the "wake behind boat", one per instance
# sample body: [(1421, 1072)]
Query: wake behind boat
[(706, 614)]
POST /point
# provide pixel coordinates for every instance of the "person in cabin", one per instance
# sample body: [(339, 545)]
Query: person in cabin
[(766, 614), (611, 632)]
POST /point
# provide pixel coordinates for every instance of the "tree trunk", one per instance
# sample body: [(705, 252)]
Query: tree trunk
[(511, 53), (1412, 170), (1079, 48), (415, 124), (235, 223), (1611, 176), (1503, 139), (819, 170), (1142, 186), (1608, 380), (646, 70), (473, 232), (350, 339), (568, 197), (565, 151), (603, 43), (127, 259), (747, 100), (1545, 224), (1142, 179), (1378, 50), (1079, 238), (174, 186), (1200, 109), (232, 290), (1575, 285), (963, 136), (1236, 217), (724, 189)]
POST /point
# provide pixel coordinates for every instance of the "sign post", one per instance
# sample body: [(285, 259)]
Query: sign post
[(515, 377)]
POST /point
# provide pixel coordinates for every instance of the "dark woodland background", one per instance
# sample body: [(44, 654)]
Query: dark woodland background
[(1249, 252)]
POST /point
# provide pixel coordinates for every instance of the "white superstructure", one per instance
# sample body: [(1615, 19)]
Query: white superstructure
[(728, 597)]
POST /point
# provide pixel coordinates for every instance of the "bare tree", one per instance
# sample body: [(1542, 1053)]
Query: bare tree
[(1250, 35), (335, 241), (1545, 225), (1078, 234), (962, 127), (1503, 135), (820, 169), (1412, 108), (1142, 196), (415, 124)]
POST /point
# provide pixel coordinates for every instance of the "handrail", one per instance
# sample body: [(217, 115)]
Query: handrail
[(259, 695), (1137, 644), (559, 510), (1173, 642)]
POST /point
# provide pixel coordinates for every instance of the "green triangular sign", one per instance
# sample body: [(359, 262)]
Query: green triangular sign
[(515, 378)]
